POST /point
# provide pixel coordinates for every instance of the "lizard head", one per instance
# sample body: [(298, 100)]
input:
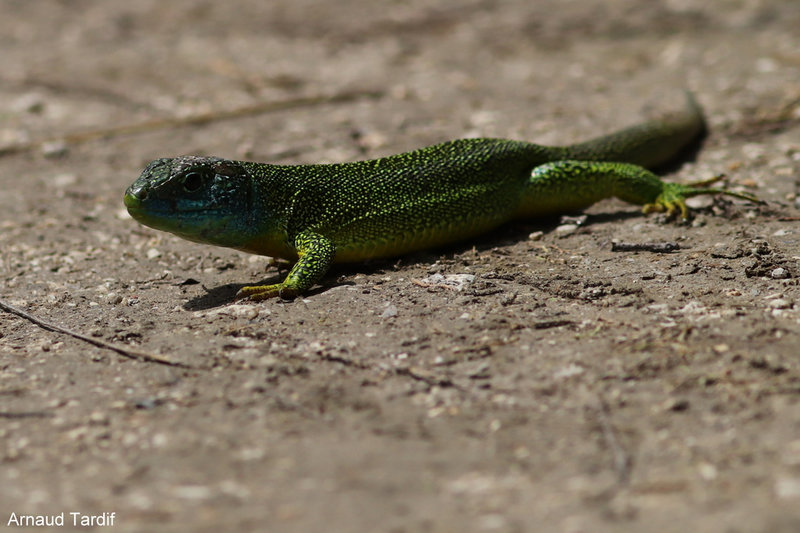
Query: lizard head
[(202, 199)]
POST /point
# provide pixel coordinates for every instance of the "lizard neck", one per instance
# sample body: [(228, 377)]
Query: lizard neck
[(264, 231)]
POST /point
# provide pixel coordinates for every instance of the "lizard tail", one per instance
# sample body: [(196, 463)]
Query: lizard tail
[(650, 144)]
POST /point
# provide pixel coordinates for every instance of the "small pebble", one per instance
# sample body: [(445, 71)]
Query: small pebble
[(787, 488), (54, 149), (779, 273), (29, 103), (676, 405), (145, 403), (707, 471), (99, 418), (389, 312), (780, 303), (64, 180), (566, 229)]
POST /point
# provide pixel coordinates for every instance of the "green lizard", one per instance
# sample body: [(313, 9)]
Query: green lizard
[(316, 215)]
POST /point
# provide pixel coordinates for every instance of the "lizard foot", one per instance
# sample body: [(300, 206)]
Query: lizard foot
[(671, 202), (672, 199)]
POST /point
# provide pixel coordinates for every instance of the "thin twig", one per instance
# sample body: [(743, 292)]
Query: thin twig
[(25, 414), (191, 120), (346, 361), (131, 354), (428, 378), (655, 247), (547, 324)]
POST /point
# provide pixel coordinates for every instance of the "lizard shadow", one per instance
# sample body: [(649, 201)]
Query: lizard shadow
[(687, 154), (506, 235)]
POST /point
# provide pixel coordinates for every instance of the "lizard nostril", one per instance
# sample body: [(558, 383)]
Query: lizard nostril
[(131, 201)]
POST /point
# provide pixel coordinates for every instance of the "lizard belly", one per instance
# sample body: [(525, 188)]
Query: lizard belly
[(395, 236)]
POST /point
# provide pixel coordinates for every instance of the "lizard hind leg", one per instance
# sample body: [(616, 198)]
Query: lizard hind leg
[(672, 199)]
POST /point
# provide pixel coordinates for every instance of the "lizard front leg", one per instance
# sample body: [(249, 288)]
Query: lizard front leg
[(315, 255)]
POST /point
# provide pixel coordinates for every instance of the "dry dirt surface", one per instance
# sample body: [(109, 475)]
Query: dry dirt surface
[(531, 380)]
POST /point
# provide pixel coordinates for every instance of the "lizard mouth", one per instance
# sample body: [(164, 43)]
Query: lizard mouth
[(163, 215), (138, 206)]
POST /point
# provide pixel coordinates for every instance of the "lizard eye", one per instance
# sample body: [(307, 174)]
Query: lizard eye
[(192, 182)]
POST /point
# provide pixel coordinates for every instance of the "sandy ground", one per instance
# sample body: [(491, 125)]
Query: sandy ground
[(563, 387)]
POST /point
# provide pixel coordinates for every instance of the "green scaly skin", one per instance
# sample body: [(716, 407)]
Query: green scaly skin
[(316, 215)]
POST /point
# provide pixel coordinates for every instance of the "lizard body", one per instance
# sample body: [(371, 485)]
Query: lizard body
[(319, 214)]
